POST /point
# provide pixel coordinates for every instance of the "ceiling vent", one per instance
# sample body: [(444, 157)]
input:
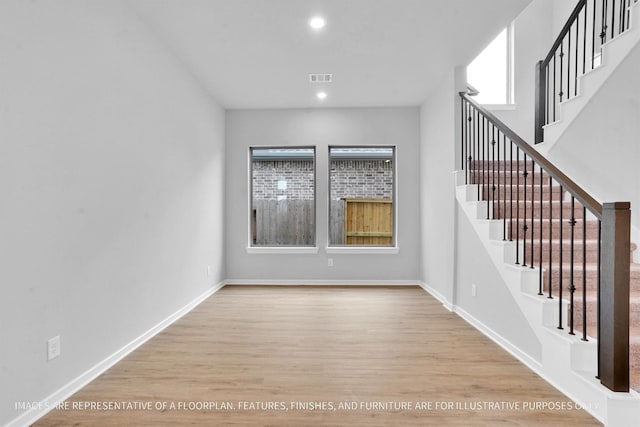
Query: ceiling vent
[(320, 78)]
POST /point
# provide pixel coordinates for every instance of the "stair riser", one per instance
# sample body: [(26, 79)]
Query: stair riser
[(518, 193), (591, 276), (553, 228), (503, 165), (505, 210), (554, 253), (506, 178), (592, 316), (592, 288)]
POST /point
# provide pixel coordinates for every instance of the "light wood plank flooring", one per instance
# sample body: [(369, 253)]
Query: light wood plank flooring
[(321, 345)]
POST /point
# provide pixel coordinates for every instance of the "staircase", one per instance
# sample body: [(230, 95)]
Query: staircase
[(605, 31), (565, 258), (546, 244), (561, 254)]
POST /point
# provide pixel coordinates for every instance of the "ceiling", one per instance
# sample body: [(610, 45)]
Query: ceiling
[(259, 53)]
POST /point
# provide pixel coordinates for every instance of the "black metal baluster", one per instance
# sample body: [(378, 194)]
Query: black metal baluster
[(584, 273), (572, 287), (613, 18), (560, 251), (550, 236), (469, 146), (621, 18), (603, 33), (525, 227), (518, 206), (504, 188), (476, 172), (575, 75), (472, 144), (555, 99), (493, 171), (546, 111), (511, 193), (593, 37), (561, 93), (486, 164), (533, 179), (540, 235), (569, 63), (500, 181), (598, 288), (485, 196), (487, 167), (584, 41), (462, 133)]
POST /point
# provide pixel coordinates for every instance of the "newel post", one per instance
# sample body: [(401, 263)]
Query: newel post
[(540, 102), (613, 334)]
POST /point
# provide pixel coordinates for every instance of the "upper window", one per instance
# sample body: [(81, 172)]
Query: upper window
[(361, 196), (491, 73), (282, 196)]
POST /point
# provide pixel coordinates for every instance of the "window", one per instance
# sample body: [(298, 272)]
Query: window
[(491, 72), (282, 209), (361, 196)]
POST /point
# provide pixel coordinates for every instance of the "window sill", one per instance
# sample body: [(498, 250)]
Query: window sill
[(284, 250), (362, 250), (500, 107)]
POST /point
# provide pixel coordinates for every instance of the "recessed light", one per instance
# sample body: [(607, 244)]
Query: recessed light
[(317, 22), (321, 95)]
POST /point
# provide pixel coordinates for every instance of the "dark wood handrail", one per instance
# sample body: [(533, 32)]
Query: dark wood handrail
[(567, 27), (567, 183)]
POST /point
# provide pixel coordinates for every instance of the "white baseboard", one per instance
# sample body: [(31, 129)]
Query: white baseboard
[(31, 416), (257, 282), (529, 361), (523, 357), (437, 295)]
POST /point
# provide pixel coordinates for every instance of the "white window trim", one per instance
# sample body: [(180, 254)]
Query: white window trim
[(282, 250), (511, 95), (285, 250), (500, 107), (511, 77), (362, 250)]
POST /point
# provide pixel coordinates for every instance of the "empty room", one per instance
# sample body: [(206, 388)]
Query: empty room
[(319, 212)]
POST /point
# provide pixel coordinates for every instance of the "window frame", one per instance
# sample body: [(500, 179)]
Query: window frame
[(365, 249), (284, 249), (510, 103)]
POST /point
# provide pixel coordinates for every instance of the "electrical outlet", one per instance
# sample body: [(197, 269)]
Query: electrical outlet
[(330, 262), (208, 270), (53, 347), (474, 290)]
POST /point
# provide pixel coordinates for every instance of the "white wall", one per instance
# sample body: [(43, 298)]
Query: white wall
[(321, 128), (533, 37), (561, 11), (600, 149), (493, 305), (112, 184), (437, 192), (452, 256)]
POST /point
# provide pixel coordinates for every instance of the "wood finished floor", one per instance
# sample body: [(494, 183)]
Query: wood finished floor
[(320, 344)]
